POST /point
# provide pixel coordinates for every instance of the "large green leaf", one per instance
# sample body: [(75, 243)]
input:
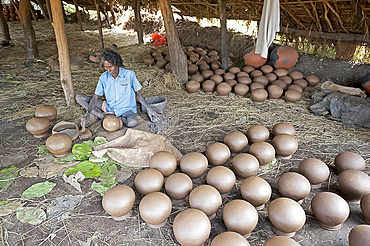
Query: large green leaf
[(100, 188), (82, 151), (38, 190), (88, 168), (7, 176), (31, 215), (97, 141)]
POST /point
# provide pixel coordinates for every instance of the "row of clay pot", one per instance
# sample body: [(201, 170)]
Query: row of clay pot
[(11, 14)]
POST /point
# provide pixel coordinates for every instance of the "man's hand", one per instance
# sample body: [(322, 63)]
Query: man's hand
[(154, 116)]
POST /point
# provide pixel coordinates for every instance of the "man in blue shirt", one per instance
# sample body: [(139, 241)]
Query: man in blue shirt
[(121, 89)]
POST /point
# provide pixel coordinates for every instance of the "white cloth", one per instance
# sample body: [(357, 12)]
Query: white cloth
[(269, 25)]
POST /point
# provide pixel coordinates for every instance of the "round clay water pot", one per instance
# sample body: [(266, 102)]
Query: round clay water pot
[(286, 216), (271, 77), (190, 48), (253, 59), (312, 80), (274, 92), (192, 69), (207, 199), (212, 53), (280, 83), (241, 90), (215, 65), (353, 185), (285, 145), (314, 170), (330, 210), (228, 76), (207, 74), (248, 69), (281, 241), (365, 207), (217, 79), (193, 59), (112, 123), (284, 57), (192, 86), (231, 82), (255, 86), (359, 235), (118, 202), (256, 73), (202, 62), (242, 74), (69, 128), (191, 227), (240, 216), (219, 72), (229, 238), (194, 164), (236, 141), (203, 67), (223, 89), (47, 111), (280, 72), (208, 86), (234, 70), (148, 60), (245, 165), (295, 87), (287, 79), (197, 77), (257, 133), (292, 96), (155, 208), (283, 128), (261, 79), (178, 186), (158, 57), (294, 185), (267, 69), (301, 82), (256, 190), (38, 127), (259, 95), (58, 144), (217, 153), (264, 152), (349, 161), (244, 80), (148, 181), (215, 58), (222, 178), (163, 161), (296, 75)]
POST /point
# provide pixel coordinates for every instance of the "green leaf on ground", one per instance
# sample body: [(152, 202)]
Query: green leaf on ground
[(70, 157), (7, 176), (88, 169), (97, 141), (31, 215), (108, 175), (82, 151), (3, 202), (100, 188), (11, 76), (97, 159), (38, 190), (44, 150)]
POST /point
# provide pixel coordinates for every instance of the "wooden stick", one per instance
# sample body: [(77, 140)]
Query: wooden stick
[(78, 15), (337, 15), (331, 86), (326, 17), (292, 16), (99, 26)]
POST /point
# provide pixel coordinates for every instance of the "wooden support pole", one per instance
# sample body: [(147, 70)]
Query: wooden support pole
[(63, 52), (224, 56), (111, 5), (99, 25), (28, 31), (4, 25), (44, 11), (105, 13), (178, 58), (78, 13), (47, 3), (138, 23)]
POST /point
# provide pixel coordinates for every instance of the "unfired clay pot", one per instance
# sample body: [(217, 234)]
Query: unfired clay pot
[(274, 92), (271, 77), (234, 70), (191, 227), (223, 89), (264, 152), (294, 185), (255, 86), (241, 89), (330, 210), (163, 161), (286, 216), (301, 82), (281, 241), (208, 86), (256, 73), (242, 74), (148, 181), (229, 238), (236, 141), (192, 86), (161, 63), (257, 133), (261, 79), (47, 111), (295, 87), (267, 69), (287, 79), (280, 83), (353, 185), (38, 127), (256, 190), (292, 96), (312, 80), (194, 164), (155, 208), (178, 187), (112, 123), (283, 128), (359, 235), (296, 75), (240, 216), (219, 72), (222, 178), (280, 72), (314, 170), (217, 79), (197, 77), (69, 128), (245, 165), (285, 145), (228, 76), (207, 199), (244, 80), (218, 153), (349, 161), (365, 207), (58, 144), (203, 67), (248, 69), (118, 202), (231, 82), (207, 74)]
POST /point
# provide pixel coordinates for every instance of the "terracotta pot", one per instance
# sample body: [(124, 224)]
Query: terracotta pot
[(224, 89), (155, 208), (118, 202), (284, 57), (274, 92), (207, 199), (353, 185), (365, 207), (264, 152), (178, 187), (281, 240), (257, 133), (359, 235), (283, 128), (47, 111), (194, 164), (148, 181), (163, 161), (314, 170), (236, 141), (222, 178), (112, 123), (38, 127), (58, 144), (349, 161), (248, 69), (292, 96), (294, 185), (229, 238), (285, 145), (256, 190), (241, 90), (259, 95), (192, 86), (208, 86), (245, 165), (217, 153), (253, 59), (312, 80), (267, 69)]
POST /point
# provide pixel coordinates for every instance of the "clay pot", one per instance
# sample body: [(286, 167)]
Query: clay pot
[(294, 186), (38, 127), (207, 199), (267, 69), (222, 178), (217, 79), (215, 65), (280, 72), (312, 80), (241, 90), (257, 133), (240, 216), (231, 82), (301, 82), (208, 86), (197, 77), (69, 128), (314, 170), (219, 72), (223, 89), (202, 63), (271, 77), (118, 202), (190, 48), (193, 59), (148, 181), (349, 161), (207, 74), (178, 186), (296, 75), (95, 57), (203, 67), (112, 123), (192, 86), (155, 208), (256, 191), (229, 238), (47, 111), (286, 216), (253, 59), (215, 58), (255, 86), (283, 128), (295, 87), (287, 79), (158, 57), (228, 76), (281, 241), (264, 152), (245, 165), (218, 153), (292, 96), (248, 69), (242, 74), (280, 83), (284, 57), (234, 70), (191, 227), (353, 185), (259, 95), (194, 164), (365, 207), (58, 144), (261, 79), (236, 141), (244, 80), (163, 161), (285, 145), (167, 52), (148, 60), (212, 53), (192, 69), (256, 73), (330, 210), (359, 235), (274, 92)]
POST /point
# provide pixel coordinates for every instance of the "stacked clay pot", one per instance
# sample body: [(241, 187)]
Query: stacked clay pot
[(47, 111)]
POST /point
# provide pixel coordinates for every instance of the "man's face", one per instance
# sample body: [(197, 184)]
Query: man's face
[(111, 69)]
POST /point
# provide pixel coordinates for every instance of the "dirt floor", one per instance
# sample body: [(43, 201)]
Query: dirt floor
[(196, 121)]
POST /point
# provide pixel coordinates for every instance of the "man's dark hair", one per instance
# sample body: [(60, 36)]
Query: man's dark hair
[(112, 57)]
